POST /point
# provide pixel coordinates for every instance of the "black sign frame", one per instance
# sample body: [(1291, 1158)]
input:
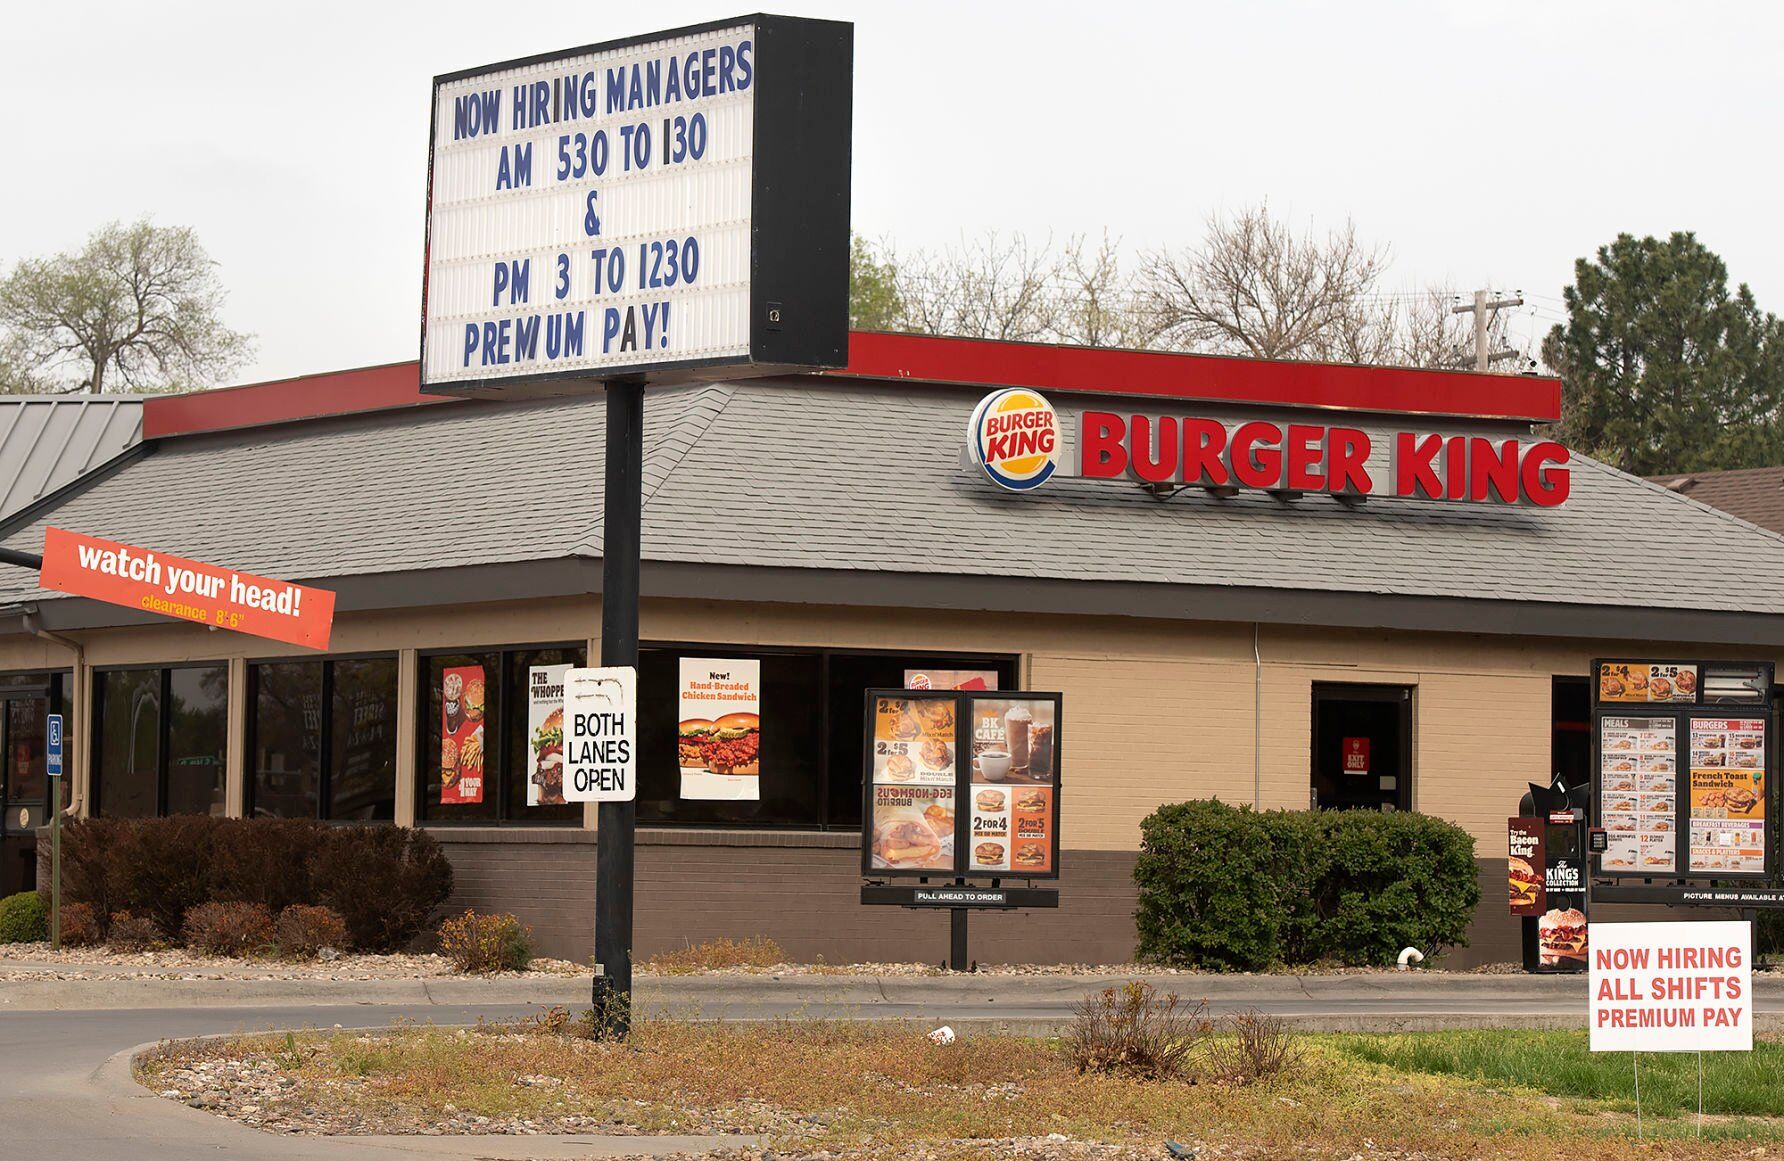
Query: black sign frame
[(802, 145), (962, 871)]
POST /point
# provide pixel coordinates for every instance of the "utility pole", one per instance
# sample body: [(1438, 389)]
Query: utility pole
[(1483, 308)]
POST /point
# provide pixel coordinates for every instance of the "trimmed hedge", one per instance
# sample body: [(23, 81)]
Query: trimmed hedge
[(1235, 889), (385, 882), (24, 918)]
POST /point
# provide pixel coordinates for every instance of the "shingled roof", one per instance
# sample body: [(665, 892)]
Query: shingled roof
[(826, 477), (1754, 494)]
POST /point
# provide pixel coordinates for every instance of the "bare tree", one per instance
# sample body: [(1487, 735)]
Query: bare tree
[(137, 306), (1255, 287), (991, 287)]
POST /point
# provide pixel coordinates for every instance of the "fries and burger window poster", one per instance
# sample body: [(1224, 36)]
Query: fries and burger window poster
[(545, 734), (1728, 796), (719, 738), (463, 689)]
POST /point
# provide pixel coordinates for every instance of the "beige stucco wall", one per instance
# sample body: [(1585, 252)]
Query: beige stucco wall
[(1156, 711)]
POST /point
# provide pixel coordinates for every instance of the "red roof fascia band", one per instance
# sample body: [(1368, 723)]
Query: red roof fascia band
[(1205, 378)]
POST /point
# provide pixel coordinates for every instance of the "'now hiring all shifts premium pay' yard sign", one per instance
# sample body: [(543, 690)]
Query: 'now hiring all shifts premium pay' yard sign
[(189, 590), (1671, 987)]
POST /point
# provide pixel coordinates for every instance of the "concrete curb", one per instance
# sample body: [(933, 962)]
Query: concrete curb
[(784, 992)]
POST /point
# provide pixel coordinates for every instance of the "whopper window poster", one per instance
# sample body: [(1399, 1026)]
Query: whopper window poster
[(719, 739), (1728, 795), (1014, 783), (462, 692), (545, 734), (1638, 788), (912, 781)]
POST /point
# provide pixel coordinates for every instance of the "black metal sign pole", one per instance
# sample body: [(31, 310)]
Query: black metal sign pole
[(616, 822)]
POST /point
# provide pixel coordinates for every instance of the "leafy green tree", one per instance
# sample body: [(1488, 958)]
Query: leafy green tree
[(1663, 369), (874, 301), (137, 308)]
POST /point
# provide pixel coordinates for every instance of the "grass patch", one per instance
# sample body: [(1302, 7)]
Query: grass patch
[(848, 1086), (717, 955), (1738, 1084)]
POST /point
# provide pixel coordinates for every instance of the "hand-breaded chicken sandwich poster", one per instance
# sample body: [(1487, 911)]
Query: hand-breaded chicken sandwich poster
[(719, 743)]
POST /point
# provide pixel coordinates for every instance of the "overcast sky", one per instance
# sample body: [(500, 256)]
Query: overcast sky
[(1488, 144)]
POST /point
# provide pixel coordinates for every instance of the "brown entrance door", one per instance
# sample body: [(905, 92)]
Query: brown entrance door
[(1362, 747), (24, 787)]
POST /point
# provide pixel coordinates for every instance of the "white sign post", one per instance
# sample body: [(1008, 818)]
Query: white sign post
[(1672, 987), (600, 734)]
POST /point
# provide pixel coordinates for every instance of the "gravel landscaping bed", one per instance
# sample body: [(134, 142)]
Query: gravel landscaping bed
[(36, 961)]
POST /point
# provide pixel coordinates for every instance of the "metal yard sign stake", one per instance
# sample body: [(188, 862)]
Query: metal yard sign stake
[(1635, 1058)]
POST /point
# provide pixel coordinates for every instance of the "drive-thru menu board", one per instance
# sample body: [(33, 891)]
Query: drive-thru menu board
[(1728, 795), (961, 784), (1669, 768), (1638, 792)]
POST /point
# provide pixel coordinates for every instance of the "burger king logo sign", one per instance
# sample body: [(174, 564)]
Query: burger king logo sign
[(1014, 436)]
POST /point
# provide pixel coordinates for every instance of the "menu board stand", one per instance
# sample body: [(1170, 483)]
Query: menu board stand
[(959, 786), (1684, 772)]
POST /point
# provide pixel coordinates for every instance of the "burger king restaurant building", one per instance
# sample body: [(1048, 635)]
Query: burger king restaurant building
[(1285, 584)]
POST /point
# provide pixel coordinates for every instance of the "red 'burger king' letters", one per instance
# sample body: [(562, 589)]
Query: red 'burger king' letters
[(1198, 452)]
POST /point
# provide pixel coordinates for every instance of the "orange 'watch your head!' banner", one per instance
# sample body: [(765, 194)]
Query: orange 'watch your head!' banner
[(206, 594)]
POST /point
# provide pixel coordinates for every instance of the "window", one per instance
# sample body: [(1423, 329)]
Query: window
[(1362, 747), (338, 765), (160, 736), (812, 726), (506, 742)]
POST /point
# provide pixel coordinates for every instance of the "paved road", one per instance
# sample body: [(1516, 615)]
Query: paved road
[(61, 1101)]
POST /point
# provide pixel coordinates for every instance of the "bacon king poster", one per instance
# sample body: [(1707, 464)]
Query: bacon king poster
[(1525, 865), (719, 732), (463, 690)]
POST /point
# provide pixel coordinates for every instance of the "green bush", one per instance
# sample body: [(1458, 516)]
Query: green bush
[(1235, 889), (24, 918), (486, 943), (385, 882), (1208, 879)]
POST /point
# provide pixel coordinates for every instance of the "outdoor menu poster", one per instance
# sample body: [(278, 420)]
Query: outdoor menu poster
[(913, 784), (950, 679), (719, 738), (1525, 865), (462, 694), (1638, 788), (1014, 779), (1643, 681), (545, 734), (1727, 796)]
